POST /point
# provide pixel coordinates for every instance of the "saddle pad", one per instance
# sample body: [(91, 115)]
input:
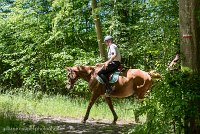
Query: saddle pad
[(113, 78)]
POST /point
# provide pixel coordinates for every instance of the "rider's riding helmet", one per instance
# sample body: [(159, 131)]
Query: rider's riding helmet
[(107, 38)]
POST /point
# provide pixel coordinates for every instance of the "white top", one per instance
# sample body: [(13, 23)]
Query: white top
[(113, 49)]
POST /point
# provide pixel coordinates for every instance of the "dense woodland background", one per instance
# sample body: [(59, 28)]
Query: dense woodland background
[(38, 38)]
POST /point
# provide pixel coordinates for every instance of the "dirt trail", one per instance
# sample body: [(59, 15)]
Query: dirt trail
[(74, 126)]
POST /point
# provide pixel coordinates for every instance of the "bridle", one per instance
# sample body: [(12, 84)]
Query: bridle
[(71, 78), (73, 75)]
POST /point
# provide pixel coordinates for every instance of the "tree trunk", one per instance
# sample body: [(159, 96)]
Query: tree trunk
[(189, 12), (190, 33), (196, 33), (98, 30)]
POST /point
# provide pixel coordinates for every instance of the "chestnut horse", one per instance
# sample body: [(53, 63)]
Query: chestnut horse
[(130, 82)]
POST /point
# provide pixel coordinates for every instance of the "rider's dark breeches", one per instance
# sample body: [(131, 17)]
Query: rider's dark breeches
[(105, 72)]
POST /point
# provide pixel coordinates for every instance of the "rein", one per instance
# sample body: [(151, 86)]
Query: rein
[(70, 74), (71, 77), (80, 73)]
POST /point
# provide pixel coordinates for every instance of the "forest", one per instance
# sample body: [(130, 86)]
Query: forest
[(39, 38)]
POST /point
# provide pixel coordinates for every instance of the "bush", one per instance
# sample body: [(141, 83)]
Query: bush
[(42, 72), (173, 101)]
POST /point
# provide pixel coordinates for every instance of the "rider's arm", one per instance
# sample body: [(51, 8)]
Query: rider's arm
[(114, 55), (108, 61)]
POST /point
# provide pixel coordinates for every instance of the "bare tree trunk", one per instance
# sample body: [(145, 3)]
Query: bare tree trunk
[(190, 33), (186, 32), (196, 33), (98, 30), (189, 11)]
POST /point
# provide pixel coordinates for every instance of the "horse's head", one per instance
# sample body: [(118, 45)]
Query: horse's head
[(72, 76), (73, 73)]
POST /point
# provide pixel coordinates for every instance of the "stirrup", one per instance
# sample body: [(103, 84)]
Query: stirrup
[(108, 92)]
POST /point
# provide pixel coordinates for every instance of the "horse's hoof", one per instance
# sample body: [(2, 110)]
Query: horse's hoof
[(137, 120), (83, 121), (114, 123)]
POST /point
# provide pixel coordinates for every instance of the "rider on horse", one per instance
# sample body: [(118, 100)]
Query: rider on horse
[(111, 65)]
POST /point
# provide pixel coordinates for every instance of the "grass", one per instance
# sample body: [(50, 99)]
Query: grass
[(30, 103), (62, 106)]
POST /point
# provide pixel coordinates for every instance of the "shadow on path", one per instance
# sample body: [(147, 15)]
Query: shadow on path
[(33, 124), (74, 126)]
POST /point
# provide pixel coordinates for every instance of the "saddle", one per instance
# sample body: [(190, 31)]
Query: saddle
[(112, 77)]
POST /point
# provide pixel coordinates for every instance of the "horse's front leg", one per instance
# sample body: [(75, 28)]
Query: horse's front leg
[(109, 102), (92, 100)]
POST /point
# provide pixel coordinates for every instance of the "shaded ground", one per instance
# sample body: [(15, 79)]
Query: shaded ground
[(74, 126)]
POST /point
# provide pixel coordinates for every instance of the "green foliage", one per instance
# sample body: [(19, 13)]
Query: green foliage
[(39, 38), (147, 32), (170, 103)]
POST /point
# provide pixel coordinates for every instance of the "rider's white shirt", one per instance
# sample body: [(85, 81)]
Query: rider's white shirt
[(114, 49)]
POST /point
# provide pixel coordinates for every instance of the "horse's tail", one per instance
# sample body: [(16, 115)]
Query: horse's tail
[(154, 74)]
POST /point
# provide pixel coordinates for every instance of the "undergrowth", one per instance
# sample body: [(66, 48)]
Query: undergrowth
[(27, 102), (172, 106)]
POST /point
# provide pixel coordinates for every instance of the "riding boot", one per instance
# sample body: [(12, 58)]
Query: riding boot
[(107, 84)]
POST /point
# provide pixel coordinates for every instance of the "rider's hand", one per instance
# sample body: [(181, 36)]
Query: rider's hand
[(106, 64), (98, 64)]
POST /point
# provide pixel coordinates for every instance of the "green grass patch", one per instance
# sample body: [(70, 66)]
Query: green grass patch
[(40, 104)]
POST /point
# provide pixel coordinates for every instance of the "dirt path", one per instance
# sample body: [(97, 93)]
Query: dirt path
[(74, 126)]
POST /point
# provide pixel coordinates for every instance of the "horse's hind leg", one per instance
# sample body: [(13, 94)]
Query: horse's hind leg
[(109, 102), (92, 100)]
